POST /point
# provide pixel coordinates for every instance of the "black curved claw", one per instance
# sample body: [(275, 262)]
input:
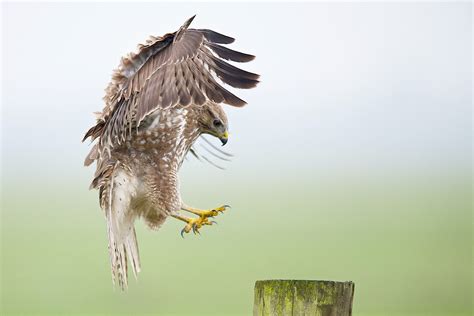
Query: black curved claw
[(182, 233), (196, 230), (226, 206), (212, 222)]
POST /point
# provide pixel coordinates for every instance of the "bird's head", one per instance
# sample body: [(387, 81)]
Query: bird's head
[(213, 121)]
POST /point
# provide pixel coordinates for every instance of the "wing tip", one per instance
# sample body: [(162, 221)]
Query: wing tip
[(188, 21), (216, 37), (183, 28), (237, 103)]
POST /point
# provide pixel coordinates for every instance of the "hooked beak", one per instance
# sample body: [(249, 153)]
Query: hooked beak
[(224, 138)]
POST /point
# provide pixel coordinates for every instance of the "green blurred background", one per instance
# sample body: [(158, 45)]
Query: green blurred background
[(404, 240), (353, 160)]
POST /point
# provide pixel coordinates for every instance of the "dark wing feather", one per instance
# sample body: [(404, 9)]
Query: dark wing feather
[(229, 54), (174, 70), (215, 37)]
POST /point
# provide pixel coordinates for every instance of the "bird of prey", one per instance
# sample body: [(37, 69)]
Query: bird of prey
[(159, 102)]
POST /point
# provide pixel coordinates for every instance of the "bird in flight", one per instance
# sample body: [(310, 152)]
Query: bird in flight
[(159, 102)]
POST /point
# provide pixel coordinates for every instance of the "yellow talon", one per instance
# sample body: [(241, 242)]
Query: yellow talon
[(222, 208), (195, 224)]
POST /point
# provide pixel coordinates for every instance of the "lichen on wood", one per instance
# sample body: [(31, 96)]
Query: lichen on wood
[(303, 297)]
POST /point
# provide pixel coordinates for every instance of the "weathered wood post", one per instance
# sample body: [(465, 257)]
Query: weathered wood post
[(305, 297)]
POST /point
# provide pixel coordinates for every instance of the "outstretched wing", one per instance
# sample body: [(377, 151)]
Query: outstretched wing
[(178, 69)]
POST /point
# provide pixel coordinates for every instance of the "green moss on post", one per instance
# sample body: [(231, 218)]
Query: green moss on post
[(295, 297)]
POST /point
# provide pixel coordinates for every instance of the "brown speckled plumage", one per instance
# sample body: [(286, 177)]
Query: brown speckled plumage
[(160, 100)]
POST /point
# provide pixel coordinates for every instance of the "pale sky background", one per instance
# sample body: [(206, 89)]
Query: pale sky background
[(344, 86)]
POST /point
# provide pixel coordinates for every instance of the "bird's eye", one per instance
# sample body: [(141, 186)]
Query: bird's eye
[(217, 123)]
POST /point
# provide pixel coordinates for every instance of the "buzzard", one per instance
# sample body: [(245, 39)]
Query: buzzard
[(159, 102)]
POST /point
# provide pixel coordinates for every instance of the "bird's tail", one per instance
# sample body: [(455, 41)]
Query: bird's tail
[(120, 254), (123, 247)]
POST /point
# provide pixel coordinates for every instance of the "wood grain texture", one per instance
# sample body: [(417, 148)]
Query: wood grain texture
[(303, 297)]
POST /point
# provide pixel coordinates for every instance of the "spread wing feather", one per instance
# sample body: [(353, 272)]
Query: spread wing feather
[(176, 69)]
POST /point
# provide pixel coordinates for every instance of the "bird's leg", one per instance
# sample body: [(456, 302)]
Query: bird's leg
[(195, 224), (205, 213)]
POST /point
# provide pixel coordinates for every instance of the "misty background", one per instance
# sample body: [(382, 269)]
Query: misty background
[(352, 159)]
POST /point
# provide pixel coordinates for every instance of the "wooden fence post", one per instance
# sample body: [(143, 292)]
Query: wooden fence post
[(303, 297)]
